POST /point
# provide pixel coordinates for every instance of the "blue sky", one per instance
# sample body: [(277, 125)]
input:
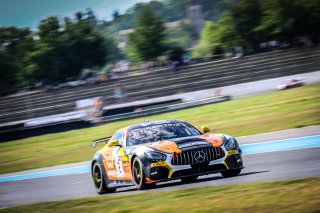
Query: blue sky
[(28, 13)]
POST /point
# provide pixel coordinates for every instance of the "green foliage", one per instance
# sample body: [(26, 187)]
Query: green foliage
[(212, 10), (245, 16), (63, 51), (210, 39), (182, 35), (247, 23), (60, 50), (229, 37), (286, 19), (55, 53), (217, 36), (147, 40), (234, 29), (15, 45), (168, 10), (49, 27), (8, 70)]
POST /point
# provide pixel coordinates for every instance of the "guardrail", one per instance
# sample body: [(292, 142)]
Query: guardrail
[(158, 110), (20, 131)]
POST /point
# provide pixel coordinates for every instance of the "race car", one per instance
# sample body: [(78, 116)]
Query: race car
[(154, 151), (291, 84)]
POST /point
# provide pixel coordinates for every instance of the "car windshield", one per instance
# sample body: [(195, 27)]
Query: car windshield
[(158, 132)]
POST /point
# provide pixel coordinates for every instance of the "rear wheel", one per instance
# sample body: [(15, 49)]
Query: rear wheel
[(191, 179), (231, 173), (138, 175), (98, 180)]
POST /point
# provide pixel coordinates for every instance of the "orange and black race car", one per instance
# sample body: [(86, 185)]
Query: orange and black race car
[(154, 151)]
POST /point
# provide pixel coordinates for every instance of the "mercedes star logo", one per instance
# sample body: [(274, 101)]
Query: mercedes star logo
[(199, 156)]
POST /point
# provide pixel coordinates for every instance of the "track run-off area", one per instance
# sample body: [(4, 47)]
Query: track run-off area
[(288, 154), (247, 149)]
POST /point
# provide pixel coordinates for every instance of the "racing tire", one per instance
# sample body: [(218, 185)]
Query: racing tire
[(99, 180), (138, 175), (191, 179), (230, 173)]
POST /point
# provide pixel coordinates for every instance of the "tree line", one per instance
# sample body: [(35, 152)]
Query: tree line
[(57, 51), (248, 23), (60, 50)]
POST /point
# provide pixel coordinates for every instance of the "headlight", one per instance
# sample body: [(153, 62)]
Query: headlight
[(230, 144), (155, 156)]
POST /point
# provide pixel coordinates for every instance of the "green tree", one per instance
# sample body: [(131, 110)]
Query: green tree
[(285, 19), (209, 40), (182, 35), (63, 52), (228, 35), (15, 45), (8, 70), (49, 27), (245, 17), (147, 40), (218, 37)]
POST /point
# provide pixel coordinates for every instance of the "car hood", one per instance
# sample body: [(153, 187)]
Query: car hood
[(179, 145)]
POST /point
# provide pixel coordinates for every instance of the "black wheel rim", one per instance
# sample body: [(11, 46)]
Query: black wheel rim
[(137, 172), (97, 176)]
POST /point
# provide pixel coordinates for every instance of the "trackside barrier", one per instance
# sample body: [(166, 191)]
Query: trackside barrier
[(24, 132)]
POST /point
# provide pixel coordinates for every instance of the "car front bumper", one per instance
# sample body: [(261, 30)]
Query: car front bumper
[(164, 170)]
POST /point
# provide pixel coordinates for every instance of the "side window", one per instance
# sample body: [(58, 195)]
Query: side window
[(118, 136)]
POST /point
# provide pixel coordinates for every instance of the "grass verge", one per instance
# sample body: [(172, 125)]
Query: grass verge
[(301, 195), (263, 113)]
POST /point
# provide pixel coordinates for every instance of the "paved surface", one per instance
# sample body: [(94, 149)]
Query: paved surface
[(280, 135), (259, 167), (270, 136), (278, 165)]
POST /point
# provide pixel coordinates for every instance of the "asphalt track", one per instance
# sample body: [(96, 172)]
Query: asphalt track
[(283, 159)]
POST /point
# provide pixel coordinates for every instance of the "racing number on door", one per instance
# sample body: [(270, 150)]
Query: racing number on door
[(117, 161)]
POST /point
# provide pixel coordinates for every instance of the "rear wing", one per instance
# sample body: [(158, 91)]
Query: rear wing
[(94, 143)]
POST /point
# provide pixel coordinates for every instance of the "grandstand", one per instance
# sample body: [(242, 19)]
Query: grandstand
[(144, 85)]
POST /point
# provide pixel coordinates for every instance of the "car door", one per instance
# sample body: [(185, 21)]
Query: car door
[(117, 162)]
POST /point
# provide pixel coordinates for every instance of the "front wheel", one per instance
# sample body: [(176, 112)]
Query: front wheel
[(98, 180), (231, 173), (138, 174)]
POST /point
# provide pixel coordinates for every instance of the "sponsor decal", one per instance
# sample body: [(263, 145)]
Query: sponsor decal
[(118, 162), (112, 173), (232, 152), (110, 164), (159, 163), (163, 125), (154, 173), (55, 119), (192, 144)]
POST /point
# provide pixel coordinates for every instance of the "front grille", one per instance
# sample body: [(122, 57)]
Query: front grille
[(191, 157)]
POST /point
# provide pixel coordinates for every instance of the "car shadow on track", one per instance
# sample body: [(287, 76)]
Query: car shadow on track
[(179, 183), (206, 179)]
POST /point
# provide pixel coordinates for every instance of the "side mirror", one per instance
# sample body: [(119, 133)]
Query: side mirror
[(113, 143), (204, 129)]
